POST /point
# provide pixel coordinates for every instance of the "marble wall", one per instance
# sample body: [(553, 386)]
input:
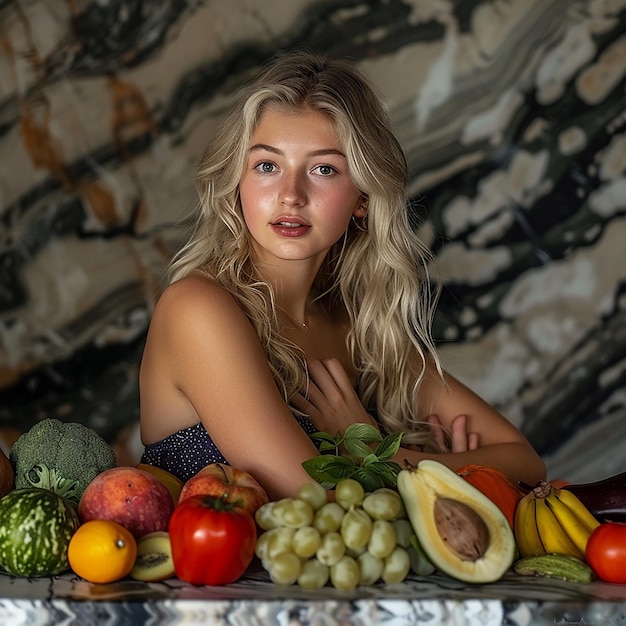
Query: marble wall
[(513, 117)]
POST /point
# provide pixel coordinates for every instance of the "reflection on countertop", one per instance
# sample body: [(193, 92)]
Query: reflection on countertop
[(513, 600)]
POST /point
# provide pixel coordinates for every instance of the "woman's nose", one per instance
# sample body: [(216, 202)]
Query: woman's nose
[(293, 190)]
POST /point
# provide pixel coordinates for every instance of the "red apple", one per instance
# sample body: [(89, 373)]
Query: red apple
[(224, 481), (132, 497)]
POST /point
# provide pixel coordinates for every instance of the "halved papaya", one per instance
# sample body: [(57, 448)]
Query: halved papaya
[(463, 533)]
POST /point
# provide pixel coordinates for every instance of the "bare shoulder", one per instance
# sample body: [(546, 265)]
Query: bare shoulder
[(197, 339), (194, 305), (194, 321), (195, 293)]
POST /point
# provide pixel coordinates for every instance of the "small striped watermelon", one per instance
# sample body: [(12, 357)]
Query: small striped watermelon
[(36, 526)]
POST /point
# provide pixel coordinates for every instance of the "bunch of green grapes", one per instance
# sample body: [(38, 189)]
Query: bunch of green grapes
[(358, 539)]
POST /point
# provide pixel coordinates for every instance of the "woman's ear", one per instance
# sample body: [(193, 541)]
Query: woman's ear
[(361, 209), (359, 215)]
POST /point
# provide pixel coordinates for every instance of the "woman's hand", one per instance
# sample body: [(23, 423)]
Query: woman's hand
[(460, 439), (332, 404)]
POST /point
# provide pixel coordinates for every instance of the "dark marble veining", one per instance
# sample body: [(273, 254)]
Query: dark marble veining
[(513, 119)]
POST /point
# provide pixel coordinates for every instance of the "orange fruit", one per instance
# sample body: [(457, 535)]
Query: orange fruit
[(102, 551)]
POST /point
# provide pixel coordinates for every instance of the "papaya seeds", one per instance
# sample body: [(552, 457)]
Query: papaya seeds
[(461, 528)]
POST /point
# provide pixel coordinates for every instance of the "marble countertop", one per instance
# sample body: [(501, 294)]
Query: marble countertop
[(254, 600)]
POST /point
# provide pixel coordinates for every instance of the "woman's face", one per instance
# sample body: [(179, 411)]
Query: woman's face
[(296, 195)]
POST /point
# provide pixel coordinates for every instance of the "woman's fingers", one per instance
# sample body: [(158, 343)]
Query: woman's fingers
[(460, 439), (458, 434), (333, 404), (472, 441), (301, 403), (330, 376), (329, 385)]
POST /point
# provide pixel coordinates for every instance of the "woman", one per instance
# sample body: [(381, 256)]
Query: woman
[(301, 301)]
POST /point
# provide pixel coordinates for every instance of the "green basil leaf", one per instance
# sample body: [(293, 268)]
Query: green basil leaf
[(326, 437), (356, 447), (330, 462), (364, 432), (370, 458), (369, 480), (387, 470), (385, 466), (328, 468), (389, 446)]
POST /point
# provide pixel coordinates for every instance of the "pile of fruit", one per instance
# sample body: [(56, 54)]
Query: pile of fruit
[(573, 532), (358, 538), (66, 506), (140, 522)]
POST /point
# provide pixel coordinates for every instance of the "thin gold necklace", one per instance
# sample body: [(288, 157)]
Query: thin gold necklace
[(295, 322)]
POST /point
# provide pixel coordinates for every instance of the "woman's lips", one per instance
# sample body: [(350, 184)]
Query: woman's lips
[(290, 227)]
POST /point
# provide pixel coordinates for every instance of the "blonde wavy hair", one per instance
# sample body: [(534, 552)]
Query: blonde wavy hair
[(379, 275)]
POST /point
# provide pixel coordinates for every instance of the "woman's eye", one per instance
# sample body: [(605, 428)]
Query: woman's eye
[(325, 170), (266, 167)]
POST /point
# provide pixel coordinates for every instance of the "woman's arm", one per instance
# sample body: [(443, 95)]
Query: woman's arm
[(478, 433), (516, 459), (203, 362)]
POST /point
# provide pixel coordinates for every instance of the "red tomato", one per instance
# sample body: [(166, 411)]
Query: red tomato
[(213, 541), (606, 552)]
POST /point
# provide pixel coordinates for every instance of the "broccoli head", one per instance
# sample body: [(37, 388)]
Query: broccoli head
[(63, 457)]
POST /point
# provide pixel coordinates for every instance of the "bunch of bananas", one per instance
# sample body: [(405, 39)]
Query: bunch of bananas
[(552, 521)]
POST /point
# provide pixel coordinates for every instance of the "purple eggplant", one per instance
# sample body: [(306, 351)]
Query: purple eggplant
[(605, 499)]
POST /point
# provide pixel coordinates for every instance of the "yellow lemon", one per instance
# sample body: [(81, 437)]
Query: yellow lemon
[(102, 551)]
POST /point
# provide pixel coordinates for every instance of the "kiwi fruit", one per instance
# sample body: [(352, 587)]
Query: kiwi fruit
[(154, 560)]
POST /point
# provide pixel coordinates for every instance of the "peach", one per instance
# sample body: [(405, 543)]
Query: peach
[(132, 497), (173, 483)]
